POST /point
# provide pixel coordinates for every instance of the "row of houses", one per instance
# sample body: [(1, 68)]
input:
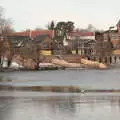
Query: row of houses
[(79, 42), (86, 44)]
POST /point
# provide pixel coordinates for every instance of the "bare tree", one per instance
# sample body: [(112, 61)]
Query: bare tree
[(5, 50), (30, 51), (5, 23), (90, 28), (5, 28)]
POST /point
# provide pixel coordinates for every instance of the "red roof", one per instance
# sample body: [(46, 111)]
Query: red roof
[(78, 33), (34, 33)]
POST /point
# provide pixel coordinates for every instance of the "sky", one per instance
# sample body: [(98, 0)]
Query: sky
[(30, 14)]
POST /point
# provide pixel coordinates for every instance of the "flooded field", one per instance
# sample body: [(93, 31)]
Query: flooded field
[(38, 105)]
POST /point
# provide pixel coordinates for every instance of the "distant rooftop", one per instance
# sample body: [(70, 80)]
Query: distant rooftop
[(34, 33), (82, 34), (43, 33)]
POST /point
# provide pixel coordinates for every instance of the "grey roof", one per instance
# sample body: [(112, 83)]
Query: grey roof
[(41, 38), (17, 41)]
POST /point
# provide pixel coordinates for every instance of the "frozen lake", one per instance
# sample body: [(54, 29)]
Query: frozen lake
[(87, 79), (28, 105), (59, 106)]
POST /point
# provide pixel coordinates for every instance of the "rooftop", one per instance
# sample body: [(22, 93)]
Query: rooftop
[(82, 34), (34, 33)]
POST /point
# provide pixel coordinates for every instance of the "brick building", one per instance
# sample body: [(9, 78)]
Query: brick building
[(108, 41), (103, 45)]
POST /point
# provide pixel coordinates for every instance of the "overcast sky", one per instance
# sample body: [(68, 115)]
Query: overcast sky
[(37, 13)]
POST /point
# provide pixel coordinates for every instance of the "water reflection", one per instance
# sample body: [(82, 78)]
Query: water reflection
[(61, 107)]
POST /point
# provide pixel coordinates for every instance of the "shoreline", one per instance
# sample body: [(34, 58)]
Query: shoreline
[(52, 69), (59, 89)]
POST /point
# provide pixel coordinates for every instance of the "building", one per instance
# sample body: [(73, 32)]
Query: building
[(83, 43), (17, 42), (108, 41), (43, 39), (103, 45)]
